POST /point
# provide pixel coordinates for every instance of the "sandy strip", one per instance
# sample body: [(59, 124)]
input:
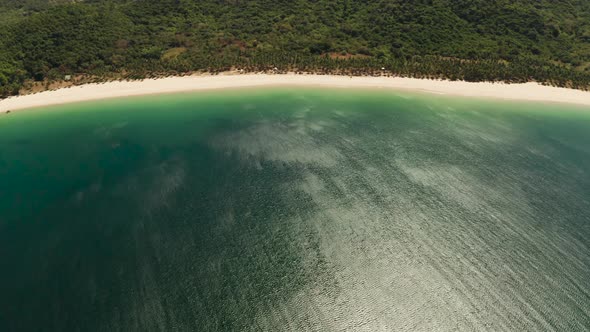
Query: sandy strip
[(527, 91)]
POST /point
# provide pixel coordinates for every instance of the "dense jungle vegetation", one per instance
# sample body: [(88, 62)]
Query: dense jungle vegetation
[(493, 40)]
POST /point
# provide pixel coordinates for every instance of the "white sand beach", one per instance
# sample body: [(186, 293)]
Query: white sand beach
[(94, 91)]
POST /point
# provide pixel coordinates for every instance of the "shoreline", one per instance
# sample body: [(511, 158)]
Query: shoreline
[(95, 91)]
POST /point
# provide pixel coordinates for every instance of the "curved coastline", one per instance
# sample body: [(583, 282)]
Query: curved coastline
[(94, 91)]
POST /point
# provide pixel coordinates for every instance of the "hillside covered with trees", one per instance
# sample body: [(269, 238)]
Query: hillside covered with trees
[(493, 40)]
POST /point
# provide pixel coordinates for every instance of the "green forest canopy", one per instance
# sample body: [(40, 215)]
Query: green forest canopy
[(494, 40)]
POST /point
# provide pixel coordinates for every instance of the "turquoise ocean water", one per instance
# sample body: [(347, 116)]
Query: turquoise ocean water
[(295, 210)]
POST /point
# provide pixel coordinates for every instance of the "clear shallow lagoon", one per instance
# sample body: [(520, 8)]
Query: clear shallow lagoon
[(295, 209)]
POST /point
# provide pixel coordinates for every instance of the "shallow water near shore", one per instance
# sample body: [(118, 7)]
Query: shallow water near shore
[(291, 209)]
